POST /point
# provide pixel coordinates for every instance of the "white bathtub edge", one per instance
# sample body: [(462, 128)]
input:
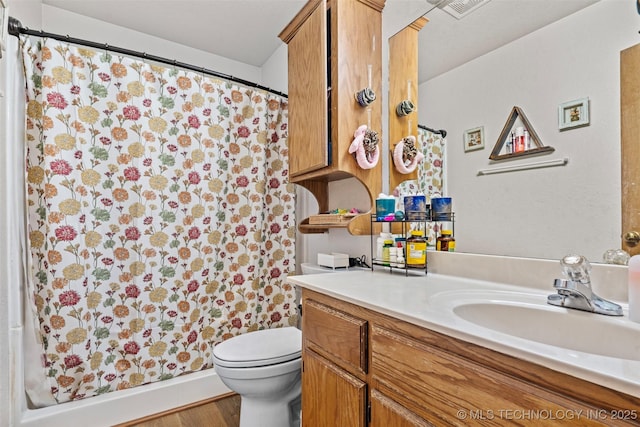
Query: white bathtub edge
[(118, 406), (126, 405)]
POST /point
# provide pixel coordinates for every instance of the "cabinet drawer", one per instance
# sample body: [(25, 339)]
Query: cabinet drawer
[(337, 333), (439, 386)]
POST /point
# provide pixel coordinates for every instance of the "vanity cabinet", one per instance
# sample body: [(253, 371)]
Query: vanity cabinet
[(334, 354), (334, 51), (339, 399), (358, 361)]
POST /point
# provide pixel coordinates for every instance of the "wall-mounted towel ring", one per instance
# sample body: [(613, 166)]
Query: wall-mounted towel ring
[(365, 97), (406, 155), (365, 147), (405, 107)]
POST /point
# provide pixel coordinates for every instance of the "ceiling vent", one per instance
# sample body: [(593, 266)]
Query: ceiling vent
[(458, 8)]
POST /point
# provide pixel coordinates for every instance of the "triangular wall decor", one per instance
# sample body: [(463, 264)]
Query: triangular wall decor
[(535, 146)]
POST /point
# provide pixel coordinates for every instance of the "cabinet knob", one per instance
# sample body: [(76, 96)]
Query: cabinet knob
[(632, 238)]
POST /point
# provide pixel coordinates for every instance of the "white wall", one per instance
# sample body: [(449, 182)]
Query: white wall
[(545, 212), (60, 21), (11, 317), (275, 72)]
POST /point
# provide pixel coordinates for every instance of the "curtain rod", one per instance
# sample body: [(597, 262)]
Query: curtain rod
[(15, 28), (441, 131)]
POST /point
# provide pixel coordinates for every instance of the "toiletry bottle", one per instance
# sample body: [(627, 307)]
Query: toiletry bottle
[(393, 256), (399, 247), (386, 253), (380, 243), (634, 288), (416, 250), (527, 140), (519, 146), (446, 242)]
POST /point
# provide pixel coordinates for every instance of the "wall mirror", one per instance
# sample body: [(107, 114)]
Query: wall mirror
[(574, 54)]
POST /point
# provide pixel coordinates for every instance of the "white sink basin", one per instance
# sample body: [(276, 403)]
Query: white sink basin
[(529, 317)]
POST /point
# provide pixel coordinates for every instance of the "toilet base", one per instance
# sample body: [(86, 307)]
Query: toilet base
[(256, 412)]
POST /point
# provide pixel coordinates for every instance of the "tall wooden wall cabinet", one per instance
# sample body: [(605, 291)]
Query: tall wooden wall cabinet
[(332, 45)]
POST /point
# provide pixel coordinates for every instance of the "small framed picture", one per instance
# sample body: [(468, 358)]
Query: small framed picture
[(573, 114), (474, 139)]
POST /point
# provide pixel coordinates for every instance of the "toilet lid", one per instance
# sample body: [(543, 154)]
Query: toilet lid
[(259, 348)]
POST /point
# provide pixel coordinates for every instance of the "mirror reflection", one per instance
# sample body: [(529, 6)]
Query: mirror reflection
[(544, 212)]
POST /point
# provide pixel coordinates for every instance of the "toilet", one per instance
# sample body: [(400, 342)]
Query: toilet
[(264, 368)]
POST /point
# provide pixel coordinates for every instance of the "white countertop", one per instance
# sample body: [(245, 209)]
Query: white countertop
[(422, 300)]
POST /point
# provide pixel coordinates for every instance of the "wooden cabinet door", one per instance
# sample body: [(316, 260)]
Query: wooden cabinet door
[(630, 146), (330, 395), (308, 128), (385, 412)]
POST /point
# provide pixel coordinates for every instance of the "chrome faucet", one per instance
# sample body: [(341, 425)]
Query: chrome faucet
[(575, 292)]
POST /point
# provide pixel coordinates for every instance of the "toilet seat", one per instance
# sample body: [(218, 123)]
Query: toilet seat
[(260, 348)]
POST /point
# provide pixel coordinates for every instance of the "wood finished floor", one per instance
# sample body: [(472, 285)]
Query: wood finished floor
[(223, 412)]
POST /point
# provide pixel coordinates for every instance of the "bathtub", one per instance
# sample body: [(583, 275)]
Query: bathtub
[(106, 409), (103, 410)]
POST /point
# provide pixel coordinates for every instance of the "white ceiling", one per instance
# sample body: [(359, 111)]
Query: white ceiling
[(446, 43), (247, 30)]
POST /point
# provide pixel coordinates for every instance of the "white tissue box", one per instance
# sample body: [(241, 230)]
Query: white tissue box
[(333, 260)]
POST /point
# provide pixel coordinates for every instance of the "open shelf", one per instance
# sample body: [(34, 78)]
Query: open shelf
[(357, 225), (537, 146), (404, 226)]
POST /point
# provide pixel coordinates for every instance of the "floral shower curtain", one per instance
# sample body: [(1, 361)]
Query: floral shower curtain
[(160, 217), (430, 180)]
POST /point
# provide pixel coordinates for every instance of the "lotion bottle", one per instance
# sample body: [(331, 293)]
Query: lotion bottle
[(519, 147), (634, 288)]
